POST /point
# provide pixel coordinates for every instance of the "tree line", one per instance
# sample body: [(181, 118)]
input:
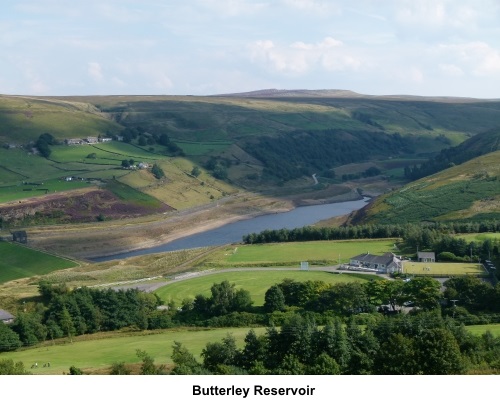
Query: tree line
[(313, 327), (300, 153)]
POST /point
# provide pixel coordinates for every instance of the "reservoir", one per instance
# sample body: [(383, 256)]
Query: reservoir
[(234, 232)]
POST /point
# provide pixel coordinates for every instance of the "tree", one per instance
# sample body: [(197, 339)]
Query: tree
[(437, 352), (43, 148), (220, 353), (125, 163), (225, 299), (196, 171), (324, 365), (253, 352), (119, 368), (148, 367), (75, 371), (425, 292), (157, 171), (274, 299), (396, 356), (9, 340), (185, 362), (8, 367)]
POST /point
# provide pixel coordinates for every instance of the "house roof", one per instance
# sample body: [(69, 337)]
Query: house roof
[(426, 255), (386, 259), (5, 316)]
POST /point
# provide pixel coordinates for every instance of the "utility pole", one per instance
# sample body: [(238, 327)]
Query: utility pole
[(454, 306)]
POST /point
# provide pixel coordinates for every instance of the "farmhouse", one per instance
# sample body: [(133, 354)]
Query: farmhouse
[(92, 139), (74, 141), (20, 236), (105, 139), (6, 317), (426, 257), (387, 263)]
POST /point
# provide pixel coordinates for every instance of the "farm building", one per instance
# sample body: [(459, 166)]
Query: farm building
[(426, 257), (92, 139), (74, 141), (6, 317), (105, 139), (20, 236), (387, 263)]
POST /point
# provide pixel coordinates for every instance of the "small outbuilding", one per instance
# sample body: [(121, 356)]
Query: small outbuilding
[(426, 257), (20, 237), (6, 317)]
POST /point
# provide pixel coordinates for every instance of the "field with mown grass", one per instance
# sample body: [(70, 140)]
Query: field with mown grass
[(96, 353), (292, 253), (440, 269), (17, 261), (480, 237), (257, 282), (100, 351)]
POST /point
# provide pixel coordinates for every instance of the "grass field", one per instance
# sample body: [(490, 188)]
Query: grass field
[(480, 237), (102, 350), (256, 282), (321, 252), (99, 351), (17, 261), (444, 269)]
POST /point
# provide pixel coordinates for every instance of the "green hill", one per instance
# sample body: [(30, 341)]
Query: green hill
[(468, 191), (23, 119), (254, 141), (478, 145)]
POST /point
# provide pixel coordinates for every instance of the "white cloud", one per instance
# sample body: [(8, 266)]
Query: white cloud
[(321, 7), (233, 8), (477, 58), (436, 13), (451, 70), (94, 70), (300, 57)]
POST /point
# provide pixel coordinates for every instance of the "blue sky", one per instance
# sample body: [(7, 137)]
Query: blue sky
[(202, 47)]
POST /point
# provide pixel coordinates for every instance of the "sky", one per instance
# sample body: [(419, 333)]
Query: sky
[(206, 47)]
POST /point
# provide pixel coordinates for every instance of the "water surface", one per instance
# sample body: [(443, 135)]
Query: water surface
[(234, 232)]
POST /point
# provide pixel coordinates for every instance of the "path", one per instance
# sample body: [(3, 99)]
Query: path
[(150, 287), (315, 179)]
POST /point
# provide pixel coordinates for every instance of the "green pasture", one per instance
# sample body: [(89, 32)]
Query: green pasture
[(96, 352), (102, 350), (444, 269), (480, 237), (17, 261), (257, 282), (321, 252), (109, 152), (481, 329), (18, 168), (127, 193), (202, 148), (24, 118), (20, 191)]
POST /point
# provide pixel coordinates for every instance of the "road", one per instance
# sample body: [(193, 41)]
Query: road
[(152, 286)]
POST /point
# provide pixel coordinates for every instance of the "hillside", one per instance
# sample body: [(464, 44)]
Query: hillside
[(478, 145), (22, 119), (269, 142), (469, 191)]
